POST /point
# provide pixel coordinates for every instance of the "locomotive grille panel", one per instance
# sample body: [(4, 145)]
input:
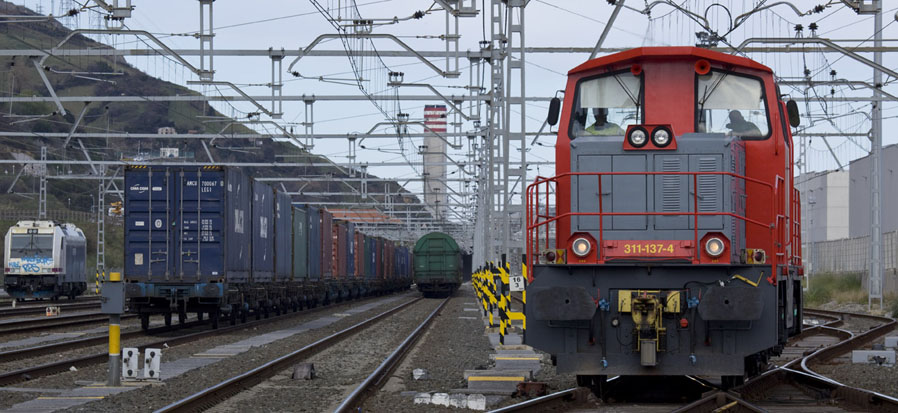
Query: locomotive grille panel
[(709, 188)]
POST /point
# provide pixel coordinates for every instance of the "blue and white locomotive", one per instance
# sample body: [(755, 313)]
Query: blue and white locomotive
[(44, 259)]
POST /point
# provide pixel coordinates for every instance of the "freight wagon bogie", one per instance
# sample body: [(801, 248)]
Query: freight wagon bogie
[(668, 243)]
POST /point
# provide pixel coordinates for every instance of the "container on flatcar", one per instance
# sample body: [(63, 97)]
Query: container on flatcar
[(300, 244), (263, 232), (186, 225), (379, 258), (340, 250), (327, 244), (350, 250), (283, 237), (314, 243), (359, 258), (370, 258)]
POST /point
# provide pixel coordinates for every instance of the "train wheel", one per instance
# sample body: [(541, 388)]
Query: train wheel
[(243, 316), (145, 321), (258, 313), (214, 316), (233, 315), (182, 318), (199, 315), (168, 319), (265, 310)]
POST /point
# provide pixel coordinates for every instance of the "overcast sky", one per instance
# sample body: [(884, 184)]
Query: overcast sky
[(578, 23)]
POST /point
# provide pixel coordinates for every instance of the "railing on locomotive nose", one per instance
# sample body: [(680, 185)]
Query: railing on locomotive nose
[(534, 215)]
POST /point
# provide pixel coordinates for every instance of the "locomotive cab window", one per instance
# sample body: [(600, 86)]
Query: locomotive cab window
[(605, 105), (731, 104), (31, 245)]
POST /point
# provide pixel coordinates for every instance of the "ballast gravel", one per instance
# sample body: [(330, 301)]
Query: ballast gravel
[(455, 342), (339, 369), (155, 396)]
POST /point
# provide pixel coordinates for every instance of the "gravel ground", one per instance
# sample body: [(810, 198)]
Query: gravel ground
[(127, 326), (339, 369), (154, 397), (450, 346), (86, 351), (9, 398), (7, 337), (876, 378)]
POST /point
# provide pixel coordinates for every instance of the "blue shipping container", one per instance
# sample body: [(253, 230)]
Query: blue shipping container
[(186, 224), (263, 232), (314, 244), (283, 237)]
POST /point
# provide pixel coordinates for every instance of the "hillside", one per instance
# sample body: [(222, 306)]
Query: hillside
[(103, 76)]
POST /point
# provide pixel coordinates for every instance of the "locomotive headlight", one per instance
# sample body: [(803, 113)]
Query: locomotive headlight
[(581, 247), (661, 137), (714, 247), (638, 137)]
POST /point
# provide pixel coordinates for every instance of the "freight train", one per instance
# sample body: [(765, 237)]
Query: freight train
[(45, 259), (669, 242), (438, 264), (210, 240)]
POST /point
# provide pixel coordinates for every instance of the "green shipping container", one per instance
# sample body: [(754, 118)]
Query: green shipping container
[(300, 244)]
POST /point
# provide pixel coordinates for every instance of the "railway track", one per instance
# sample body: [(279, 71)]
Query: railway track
[(47, 369), (74, 344), (38, 324), (374, 381), (792, 385), (8, 312), (213, 395)]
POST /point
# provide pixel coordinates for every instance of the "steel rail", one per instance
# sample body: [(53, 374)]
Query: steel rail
[(746, 396), (68, 345), (542, 402), (6, 312), (23, 326), (213, 395), (31, 373), (374, 381)]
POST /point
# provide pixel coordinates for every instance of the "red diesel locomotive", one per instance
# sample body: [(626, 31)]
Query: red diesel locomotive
[(668, 243)]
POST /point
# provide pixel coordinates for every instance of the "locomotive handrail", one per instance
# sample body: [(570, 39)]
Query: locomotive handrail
[(534, 217)]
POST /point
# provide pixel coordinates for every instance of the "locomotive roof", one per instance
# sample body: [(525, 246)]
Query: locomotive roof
[(677, 51)]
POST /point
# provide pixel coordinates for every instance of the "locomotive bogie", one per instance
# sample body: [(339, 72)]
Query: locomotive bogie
[(632, 320)]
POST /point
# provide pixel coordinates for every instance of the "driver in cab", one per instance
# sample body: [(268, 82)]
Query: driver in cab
[(602, 126)]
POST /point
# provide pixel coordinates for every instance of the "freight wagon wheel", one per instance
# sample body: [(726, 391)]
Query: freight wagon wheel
[(233, 315), (182, 318), (243, 316), (265, 310), (258, 313), (168, 319), (145, 321), (295, 306), (214, 316), (199, 315)]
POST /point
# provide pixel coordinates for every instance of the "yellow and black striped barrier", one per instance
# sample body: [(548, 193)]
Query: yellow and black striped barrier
[(492, 288), (100, 278)]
